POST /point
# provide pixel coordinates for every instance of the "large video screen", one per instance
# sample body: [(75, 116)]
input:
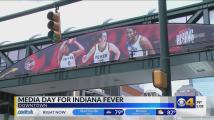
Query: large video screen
[(112, 44)]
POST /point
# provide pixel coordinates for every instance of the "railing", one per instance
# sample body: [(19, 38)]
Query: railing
[(187, 48)]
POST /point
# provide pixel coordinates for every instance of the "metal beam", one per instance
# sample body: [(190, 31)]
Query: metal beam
[(207, 0), (174, 13), (31, 49), (6, 58), (28, 51), (206, 17), (38, 9), (34, 48), (110, 68), (164, 46), (195, 17)]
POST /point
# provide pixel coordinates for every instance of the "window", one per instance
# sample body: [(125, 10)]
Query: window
[(39, 47), (22, 54), (178, 20), (2, 68), (3, 64), (46, 45), (204, 85), (13, 55), (188, 17), (201, 20), (211, 16), (43, 46)]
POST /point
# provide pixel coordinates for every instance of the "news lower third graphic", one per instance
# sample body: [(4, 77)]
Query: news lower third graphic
[(109, 106)]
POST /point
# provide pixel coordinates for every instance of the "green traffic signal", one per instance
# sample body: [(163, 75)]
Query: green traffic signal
[(54, 36), (54, 25)]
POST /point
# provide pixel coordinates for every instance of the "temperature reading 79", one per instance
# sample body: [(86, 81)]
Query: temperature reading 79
[(171, 112)]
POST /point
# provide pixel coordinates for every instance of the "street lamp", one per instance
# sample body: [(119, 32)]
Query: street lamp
[(35, 49), (68, 29), (107, 21), (1, 43), (151, 11)]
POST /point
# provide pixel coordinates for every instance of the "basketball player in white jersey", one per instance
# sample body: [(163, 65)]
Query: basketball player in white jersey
[(102, 50), (138, 45), (67, 58)]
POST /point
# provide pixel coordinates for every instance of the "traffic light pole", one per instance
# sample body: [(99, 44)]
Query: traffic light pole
[(164, 47), (38, 9)]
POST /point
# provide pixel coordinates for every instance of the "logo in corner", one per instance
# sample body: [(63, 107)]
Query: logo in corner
[(185, 101)]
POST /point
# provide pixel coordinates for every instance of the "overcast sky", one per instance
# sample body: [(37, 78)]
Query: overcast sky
[(79, 15)]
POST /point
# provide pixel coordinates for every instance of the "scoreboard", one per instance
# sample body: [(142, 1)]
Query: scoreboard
[(66, 106)]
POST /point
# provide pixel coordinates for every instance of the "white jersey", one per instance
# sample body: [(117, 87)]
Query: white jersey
[(67, 61), (103, 56), (136, 50)]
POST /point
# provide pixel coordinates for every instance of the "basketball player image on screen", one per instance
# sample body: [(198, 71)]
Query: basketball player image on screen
[(138, 45), (66, 58), (102, 50)]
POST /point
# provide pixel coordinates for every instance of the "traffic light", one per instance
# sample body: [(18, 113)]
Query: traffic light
[(159, 79), (55, 27)]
